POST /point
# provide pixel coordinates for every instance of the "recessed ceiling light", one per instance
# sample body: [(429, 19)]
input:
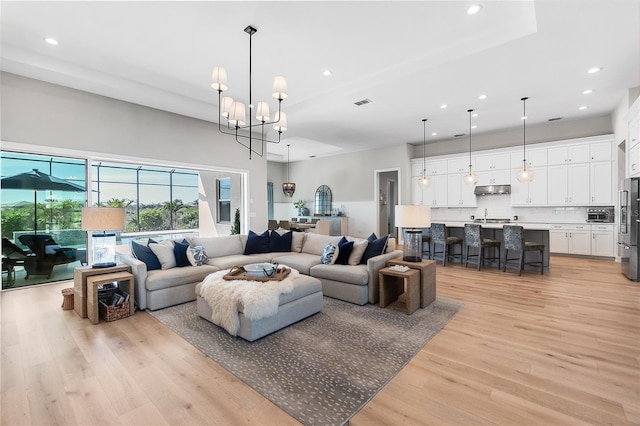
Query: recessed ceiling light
[(582, 108), (483, 96), (588, 91), (51, 41), (327, 73), (474, 127), (434, 134), (443, 106), (475, 114), (524, 117), (594, 70), (474, 9)]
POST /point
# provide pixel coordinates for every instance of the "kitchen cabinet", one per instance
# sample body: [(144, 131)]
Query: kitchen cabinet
[(416, 167), (496, 161), (568, 185), (535, 157), (568, 154), (533, 193), (435, 194), (459, 164), (602, 240), (494, 177), (634, 161), (570, 239), (601, 151), (459, 193), (436, 167), (601, 183)]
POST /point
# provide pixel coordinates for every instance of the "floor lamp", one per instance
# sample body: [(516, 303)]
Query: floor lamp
[(413, 217), (106, 220)]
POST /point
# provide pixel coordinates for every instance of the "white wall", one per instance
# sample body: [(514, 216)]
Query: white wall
[(35, 113)]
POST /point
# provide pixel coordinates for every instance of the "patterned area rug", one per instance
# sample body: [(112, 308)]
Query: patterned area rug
[(324, 369)]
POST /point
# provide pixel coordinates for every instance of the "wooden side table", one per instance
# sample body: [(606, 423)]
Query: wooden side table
[(95, 281), (80, 276), (427, 270), (393, 284)]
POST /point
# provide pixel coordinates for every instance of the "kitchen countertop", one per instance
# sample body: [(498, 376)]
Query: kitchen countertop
[(526, 225)]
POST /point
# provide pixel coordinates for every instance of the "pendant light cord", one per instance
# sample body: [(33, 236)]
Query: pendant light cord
[(524, 129), (424, 149), (288, 145), (469, 111)]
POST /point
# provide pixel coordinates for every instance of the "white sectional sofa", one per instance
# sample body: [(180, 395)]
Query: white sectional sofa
[(355, 283)]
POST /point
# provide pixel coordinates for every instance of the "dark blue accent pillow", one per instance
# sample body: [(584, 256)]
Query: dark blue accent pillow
[(144, 254), (180, 253), (280, 243), (257, 243), (344, 250), (376, 247)]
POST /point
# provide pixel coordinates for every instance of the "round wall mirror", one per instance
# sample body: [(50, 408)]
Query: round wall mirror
[(323, 201)]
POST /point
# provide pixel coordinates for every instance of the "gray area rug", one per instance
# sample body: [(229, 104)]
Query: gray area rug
[(324, 369)]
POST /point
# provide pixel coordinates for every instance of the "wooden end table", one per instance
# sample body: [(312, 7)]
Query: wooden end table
[(427, 270), (393, 283), (96, 281), (80, 276)]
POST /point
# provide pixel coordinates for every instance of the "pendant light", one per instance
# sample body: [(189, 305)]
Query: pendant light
[(470, 178), (424, 180), (525, 175), (288, 187)]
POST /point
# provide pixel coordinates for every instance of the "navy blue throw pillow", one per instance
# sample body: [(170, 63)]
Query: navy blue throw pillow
[(280, 243), (180, 253), (376, 247), (144, 254), (344, 250), (257, 243)]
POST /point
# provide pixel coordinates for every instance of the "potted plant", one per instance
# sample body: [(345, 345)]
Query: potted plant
[(299, 204)]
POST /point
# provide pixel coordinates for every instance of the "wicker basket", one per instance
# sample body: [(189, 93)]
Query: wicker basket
[(110, 312)]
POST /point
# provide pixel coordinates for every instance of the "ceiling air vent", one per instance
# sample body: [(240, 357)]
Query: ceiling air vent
[(555, 119), (363, 102), (459, 135)]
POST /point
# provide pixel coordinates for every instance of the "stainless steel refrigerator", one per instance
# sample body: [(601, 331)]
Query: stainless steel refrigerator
[(628, 231)]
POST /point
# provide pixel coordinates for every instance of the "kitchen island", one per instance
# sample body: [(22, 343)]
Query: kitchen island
[(534, 232)]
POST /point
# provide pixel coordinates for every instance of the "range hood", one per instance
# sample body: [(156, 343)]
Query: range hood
[(492, 190)]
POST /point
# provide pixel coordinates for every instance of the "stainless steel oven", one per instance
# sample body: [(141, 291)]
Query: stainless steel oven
[(601, 215)]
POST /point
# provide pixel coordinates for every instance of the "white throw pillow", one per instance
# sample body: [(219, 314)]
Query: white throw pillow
[(315, 243), (359, 246), (164, 252)]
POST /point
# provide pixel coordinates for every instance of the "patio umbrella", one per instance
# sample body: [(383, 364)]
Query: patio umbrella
[(36, 180)]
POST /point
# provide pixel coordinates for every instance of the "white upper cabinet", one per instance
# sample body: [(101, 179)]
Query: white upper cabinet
[(601, 184), (533, 193), (435, 194), (436, 167), (494, 177), (568, 185), (459, 193), (535, 157), (568, 154), (416, 167), (601, 151), (459, 164), (497, 161)]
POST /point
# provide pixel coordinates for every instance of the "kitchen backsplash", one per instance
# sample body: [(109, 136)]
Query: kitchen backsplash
[(499, 207)]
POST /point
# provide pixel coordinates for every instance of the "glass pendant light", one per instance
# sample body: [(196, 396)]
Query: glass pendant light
[(525, 175), (424, 180), (288, 187), (470, 178)]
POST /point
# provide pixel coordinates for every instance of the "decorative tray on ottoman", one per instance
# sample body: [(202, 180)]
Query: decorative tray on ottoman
[(258, 272)]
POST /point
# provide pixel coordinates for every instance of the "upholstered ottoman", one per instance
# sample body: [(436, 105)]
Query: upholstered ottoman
[(305, 300)]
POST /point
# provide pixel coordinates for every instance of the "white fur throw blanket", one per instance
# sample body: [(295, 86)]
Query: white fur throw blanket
[(255, 299)]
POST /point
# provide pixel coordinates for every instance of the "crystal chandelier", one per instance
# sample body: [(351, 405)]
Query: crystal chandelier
[(470, 178), (235, 111), (288, 187), (424, 180), (525, 175)]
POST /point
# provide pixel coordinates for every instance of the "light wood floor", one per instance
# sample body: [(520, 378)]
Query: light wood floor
[(563, 348)]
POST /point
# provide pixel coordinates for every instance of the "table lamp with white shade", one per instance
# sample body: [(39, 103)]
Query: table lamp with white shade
[(413, 217), (103, 243)]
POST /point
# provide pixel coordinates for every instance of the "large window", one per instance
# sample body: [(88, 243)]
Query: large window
[(224, 200), (155, 198)]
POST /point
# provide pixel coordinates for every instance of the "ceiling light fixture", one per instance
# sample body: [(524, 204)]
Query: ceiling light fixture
[(434, 134), (594, 70), (474, 9), (234, 111), (524, 175), (424, 179), (51, 41), (582, 108), (288, 187), (483, 96), (587, 92), (327, 73), (470, 178), (443, 106)]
